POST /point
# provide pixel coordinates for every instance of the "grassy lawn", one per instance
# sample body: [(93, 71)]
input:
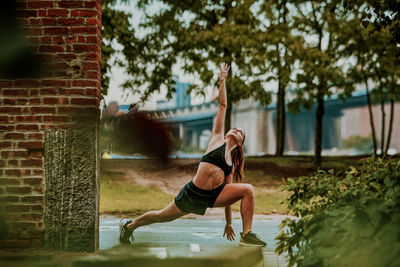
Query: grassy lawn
[(120, 196)]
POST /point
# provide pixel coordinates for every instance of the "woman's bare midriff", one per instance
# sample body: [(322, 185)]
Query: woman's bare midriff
[(208, 176)]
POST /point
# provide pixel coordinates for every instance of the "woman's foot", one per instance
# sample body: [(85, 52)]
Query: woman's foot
[(124, 233), (251, 239)]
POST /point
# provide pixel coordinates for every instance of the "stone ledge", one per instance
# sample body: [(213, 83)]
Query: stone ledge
[(156, 255)]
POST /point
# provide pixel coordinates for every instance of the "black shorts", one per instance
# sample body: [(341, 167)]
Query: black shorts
[(192, 199)]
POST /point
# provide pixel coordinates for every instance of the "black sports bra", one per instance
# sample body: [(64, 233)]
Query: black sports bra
[(217, 157)]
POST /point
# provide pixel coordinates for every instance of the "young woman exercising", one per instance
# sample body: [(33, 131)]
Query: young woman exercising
[(212, 185)]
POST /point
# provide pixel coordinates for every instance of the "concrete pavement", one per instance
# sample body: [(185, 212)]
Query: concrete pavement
[(195, 231)]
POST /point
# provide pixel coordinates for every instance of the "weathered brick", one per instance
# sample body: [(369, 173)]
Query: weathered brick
[(35, 155), (16, 208), (13, 92), (42, 110), (38, 171), (27, 127), (91, 66), (8, 199), (17, 172), (83, 101), (49, 91), (14, 136), (70, 92), (70, 4), (92, 92), (4, 84), (31, 145), (57, 83), (26, 83), (56, 119), (33, 181), (83, 30), (37, 208), (26, 13), (32, 199), (57, 12), (12, 163), (28, 118), (14, 154), (9, 181), (10, 110), (16, 190), (83, 13), (23, 225), (37, 136), (31, 163), (40, 4), (70, 110), (8, 101), (85, 48), (91, 21), (31, 217), (5, 144), (3, 119), (48, 22), (51, 48), (50, 101), (56, 30)]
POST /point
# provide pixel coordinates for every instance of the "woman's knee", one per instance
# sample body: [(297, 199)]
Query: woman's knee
[(249, 190)]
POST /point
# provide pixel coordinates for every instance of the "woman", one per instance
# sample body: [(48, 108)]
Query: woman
[(212, 185)]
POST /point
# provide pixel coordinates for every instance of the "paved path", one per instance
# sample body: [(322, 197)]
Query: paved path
[(200, 231)]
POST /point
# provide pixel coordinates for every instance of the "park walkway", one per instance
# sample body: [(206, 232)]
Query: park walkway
[(200, 231)]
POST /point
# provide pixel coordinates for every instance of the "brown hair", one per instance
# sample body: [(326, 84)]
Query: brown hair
[(238, 163)]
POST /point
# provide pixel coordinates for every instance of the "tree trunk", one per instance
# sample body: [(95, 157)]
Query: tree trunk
[(318, 129), (280, 120), (371, 117), (228, 114), (383, 126), (389, 136)]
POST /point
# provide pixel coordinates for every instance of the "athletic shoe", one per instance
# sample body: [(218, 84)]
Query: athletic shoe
[(251, 239), (124, 233)]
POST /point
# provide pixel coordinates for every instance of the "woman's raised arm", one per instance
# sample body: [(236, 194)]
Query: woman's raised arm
[(219, 121)]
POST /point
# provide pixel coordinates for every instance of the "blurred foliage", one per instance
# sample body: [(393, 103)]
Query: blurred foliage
[(17, 57), (358, 142), (134, 133), (349, 218)]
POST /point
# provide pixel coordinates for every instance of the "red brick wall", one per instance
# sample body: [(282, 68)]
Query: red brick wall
[(67, 35)]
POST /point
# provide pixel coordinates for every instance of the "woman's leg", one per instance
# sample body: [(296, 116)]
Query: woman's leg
[(234, 192), (169, 213)]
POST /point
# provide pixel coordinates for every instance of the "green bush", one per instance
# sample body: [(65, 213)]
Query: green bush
[(349, 218)]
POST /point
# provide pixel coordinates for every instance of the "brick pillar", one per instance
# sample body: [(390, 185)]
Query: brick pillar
[(67, 35)]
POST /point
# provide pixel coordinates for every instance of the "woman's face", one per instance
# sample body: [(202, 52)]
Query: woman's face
[(237, 135)]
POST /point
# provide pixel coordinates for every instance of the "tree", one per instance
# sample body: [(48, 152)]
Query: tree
[(119, 45), (322, 73), (203, 34), (277, 51)]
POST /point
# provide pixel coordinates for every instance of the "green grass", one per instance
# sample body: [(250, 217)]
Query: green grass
[(267, 202), (118, 195)]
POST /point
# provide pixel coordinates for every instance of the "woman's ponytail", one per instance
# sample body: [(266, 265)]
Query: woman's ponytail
[(238, 164)]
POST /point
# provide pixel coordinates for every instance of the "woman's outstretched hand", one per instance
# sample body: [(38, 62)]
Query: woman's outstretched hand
[(223, 71), (229, 232)]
